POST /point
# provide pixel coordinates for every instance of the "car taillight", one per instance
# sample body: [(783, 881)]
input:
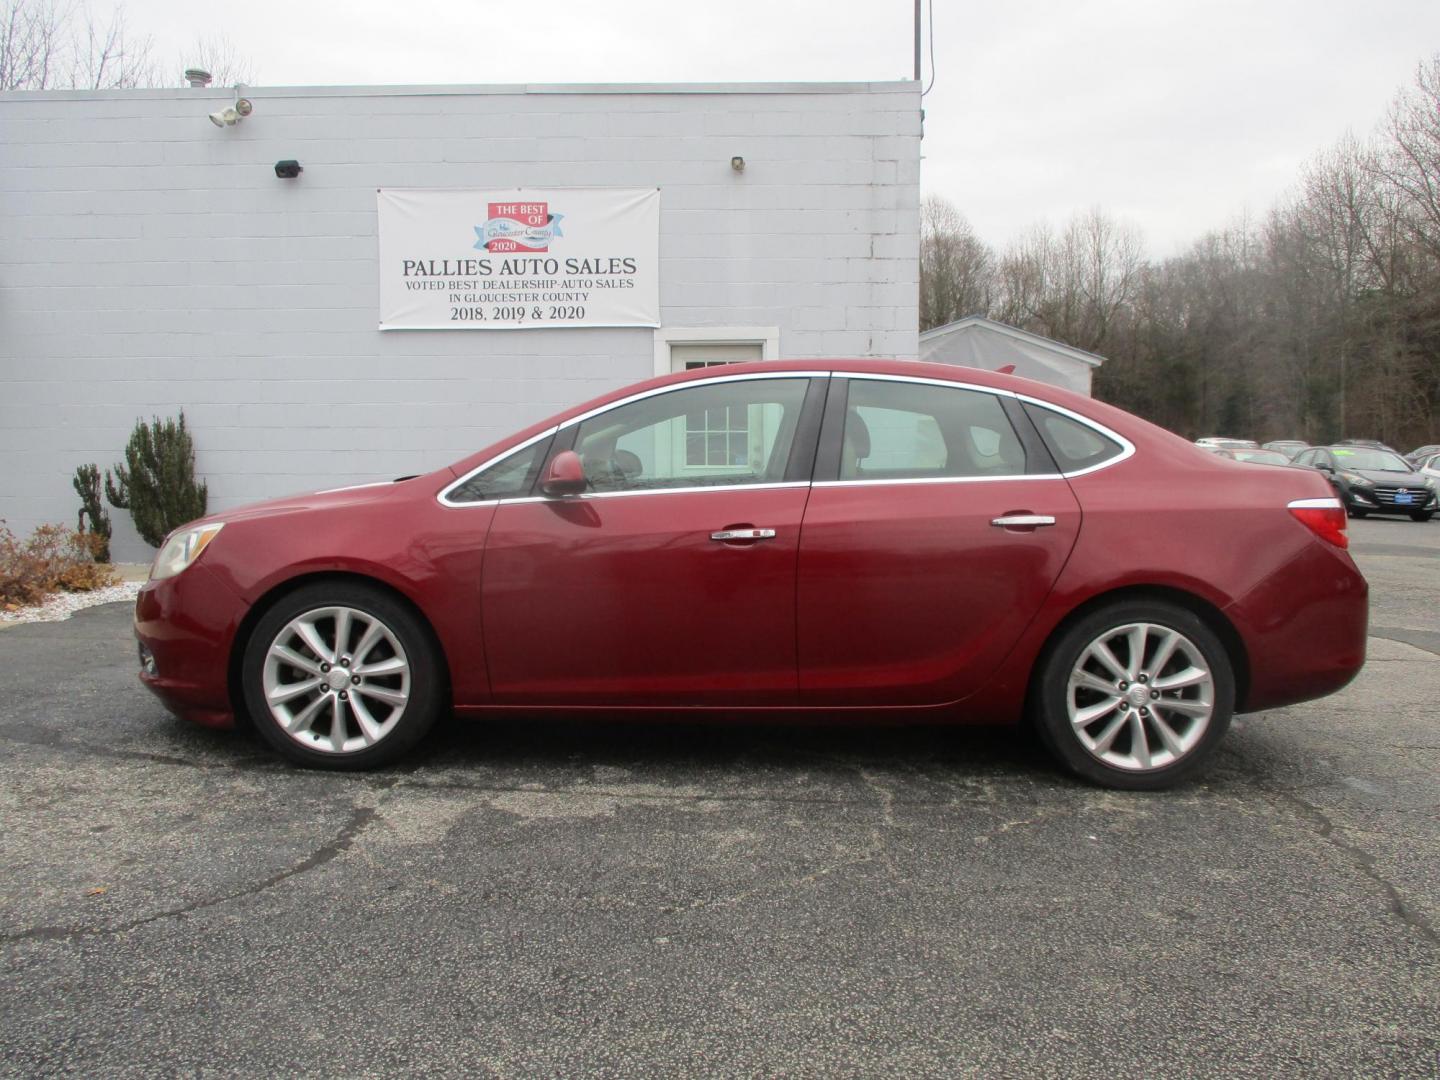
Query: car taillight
[(1324, 517)]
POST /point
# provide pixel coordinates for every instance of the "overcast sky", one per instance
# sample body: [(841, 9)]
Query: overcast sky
[(1173, 114)]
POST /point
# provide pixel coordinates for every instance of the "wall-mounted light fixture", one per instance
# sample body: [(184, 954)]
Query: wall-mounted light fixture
[(233, 114), (737, 163), (289, 169)]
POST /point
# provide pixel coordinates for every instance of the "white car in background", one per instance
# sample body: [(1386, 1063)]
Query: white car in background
[(1429, 467)]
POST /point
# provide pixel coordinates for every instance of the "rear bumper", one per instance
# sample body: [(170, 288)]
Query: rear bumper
[(188, 623), (1303, 628)]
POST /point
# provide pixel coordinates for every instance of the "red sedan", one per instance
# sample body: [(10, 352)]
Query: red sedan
[(893, 538)]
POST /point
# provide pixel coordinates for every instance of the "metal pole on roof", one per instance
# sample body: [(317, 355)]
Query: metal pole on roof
[(917, 40)]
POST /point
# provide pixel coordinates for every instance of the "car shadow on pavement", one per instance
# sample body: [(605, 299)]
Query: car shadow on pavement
[(668, 746)]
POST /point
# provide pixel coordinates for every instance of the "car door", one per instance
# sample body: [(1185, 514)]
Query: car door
[(937, 526), (671, 580)]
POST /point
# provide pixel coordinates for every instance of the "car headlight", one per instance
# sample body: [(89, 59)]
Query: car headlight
[(1352, 478), (183, 548)]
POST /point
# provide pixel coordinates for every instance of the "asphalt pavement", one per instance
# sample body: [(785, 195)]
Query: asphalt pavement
[(565, 900)]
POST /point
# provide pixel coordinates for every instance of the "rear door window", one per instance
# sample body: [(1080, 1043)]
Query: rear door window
[(921, 431)]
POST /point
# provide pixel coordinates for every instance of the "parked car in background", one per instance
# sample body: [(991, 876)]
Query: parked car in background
[(1227, 443), (1288, 447), (1257, 457), (835, 538), (1421, 452), (1370, 481), (1373, 444), (1429, 468)]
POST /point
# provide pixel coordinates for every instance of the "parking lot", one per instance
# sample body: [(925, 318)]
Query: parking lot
[(559, 899)]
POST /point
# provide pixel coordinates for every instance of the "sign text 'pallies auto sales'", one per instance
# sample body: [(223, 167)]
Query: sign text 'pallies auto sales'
[(598, 268)]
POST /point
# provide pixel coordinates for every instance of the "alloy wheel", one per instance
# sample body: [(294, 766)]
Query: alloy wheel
[(1140, 696), (336, 679)]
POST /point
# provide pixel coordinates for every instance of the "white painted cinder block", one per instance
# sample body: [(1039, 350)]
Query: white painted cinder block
[(151, 262)]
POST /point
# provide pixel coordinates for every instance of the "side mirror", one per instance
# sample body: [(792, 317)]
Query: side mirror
[(1324, 466), (565, 475)]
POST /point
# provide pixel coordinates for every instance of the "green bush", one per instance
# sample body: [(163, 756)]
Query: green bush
[(87, 486), (157, 482)]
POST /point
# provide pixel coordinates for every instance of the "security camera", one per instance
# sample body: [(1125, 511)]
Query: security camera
[(288, 170)]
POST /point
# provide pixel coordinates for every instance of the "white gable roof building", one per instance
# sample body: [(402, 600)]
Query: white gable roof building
[(979, 342)]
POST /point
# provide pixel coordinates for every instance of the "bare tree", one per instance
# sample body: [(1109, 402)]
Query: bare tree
[(1073, 285), (32, 44), (219, 56), (106, 55), (1411, 161), (66, 45), (956, 267)]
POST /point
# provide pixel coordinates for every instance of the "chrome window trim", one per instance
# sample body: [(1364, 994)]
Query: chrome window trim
[(937, 480), (642, 491), (1127, 448), (673, 387), (692, 490), (443, 498), (924, 380)]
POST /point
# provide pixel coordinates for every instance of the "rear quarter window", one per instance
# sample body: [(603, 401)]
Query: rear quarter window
[(1075, 446)]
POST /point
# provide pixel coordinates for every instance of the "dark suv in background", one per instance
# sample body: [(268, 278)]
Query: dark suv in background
[(1372, 481)]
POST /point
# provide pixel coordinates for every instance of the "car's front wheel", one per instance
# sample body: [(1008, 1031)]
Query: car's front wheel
[(1134, 695), (1421, 515), (341, 675)]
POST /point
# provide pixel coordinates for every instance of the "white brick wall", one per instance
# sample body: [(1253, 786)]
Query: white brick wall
[(150, 261)]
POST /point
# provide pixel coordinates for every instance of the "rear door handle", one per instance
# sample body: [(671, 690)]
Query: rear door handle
[(1022, 521), (743, 534)]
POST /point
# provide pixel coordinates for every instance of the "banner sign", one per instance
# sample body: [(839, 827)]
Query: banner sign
[(505, 260)]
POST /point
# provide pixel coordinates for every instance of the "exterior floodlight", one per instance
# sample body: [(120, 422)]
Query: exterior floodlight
[(233, 114)]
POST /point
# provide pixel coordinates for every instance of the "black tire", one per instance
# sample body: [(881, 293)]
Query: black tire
[(1050, 697), (1421, 515), (1354, 513), (423, 683)]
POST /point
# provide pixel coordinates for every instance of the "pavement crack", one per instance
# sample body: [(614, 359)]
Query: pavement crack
[(118, 753), (360, 818), (1362, 860)]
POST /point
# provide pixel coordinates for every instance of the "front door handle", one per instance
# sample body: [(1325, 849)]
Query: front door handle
[(1022, 521), (743, 534)]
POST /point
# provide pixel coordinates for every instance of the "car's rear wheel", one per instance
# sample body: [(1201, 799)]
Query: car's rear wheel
[(342, 676), (1135, 695)]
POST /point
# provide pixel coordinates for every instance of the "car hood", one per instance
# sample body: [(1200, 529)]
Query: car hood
[(317, 500)]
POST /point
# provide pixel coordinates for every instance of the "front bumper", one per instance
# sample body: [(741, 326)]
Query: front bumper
[(187, 624), (1373, 502)]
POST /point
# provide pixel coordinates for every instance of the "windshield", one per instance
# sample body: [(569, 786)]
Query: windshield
[(1357, 457), (1264, 457)]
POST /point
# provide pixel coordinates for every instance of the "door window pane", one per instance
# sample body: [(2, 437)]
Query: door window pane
[(905, 431), (696, 436)]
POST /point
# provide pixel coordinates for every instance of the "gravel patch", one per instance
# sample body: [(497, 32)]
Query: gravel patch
[(62, 605)]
